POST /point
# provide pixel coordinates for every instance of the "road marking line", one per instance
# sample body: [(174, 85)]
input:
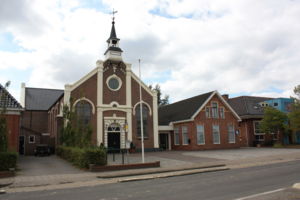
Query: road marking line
[(261, 194)]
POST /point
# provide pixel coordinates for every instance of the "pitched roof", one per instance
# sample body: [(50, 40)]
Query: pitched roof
[(7, 100), (181, 110), (248, 106), (40, 98)]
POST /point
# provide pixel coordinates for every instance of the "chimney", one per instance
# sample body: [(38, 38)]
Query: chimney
[(225, 96), (22, 96)]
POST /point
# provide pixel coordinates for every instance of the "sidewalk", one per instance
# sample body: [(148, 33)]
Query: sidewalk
[(173, 163)]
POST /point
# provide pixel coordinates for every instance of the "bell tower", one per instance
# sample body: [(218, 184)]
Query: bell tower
[(113, 52)]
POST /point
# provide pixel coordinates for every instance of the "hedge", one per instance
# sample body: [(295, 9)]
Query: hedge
[(83, 157), (8, 160)]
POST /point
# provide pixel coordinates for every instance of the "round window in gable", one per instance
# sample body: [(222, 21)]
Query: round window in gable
[(114, 83)]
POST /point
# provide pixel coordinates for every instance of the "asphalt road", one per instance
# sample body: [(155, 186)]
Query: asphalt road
[(230, 184)]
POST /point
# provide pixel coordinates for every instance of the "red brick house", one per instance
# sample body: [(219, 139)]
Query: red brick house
[(251, 112), (205, 121), (12, 115), (35, 123), (108, 99)]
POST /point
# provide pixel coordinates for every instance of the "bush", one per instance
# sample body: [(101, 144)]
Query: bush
[(8, 160), (278, 145), (82, 157)]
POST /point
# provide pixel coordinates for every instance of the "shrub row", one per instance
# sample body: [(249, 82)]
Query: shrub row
[(83, 157), (8, 160)]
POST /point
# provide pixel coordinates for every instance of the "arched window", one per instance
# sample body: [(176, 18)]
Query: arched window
[(145, 112), (83, 112)]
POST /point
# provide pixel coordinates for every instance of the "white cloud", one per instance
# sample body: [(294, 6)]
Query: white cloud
[(236, 47)]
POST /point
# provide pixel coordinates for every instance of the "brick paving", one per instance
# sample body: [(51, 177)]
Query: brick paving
[(64, 175)]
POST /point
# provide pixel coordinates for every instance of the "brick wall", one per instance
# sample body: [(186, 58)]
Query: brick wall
[(201, 119), (13, 125), (88, 89)]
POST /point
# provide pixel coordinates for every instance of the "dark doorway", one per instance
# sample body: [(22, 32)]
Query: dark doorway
[(113, 141), (164, 141), (21, 145)]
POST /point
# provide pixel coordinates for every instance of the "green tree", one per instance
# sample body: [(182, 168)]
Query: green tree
[(74, 133), (160, 101), (3, 125), (274, 121), (294, 115)]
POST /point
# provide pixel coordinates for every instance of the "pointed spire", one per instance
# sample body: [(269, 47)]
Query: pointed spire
[(113, 52), (113, 35)]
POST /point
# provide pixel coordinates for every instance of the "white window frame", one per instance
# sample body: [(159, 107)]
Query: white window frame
[(233, 133), (260, 140), (176, 135), (184, 132), (275, 138), (212, 110), (216, 125), (254, 128), (33, 136), (202, 133), (207, 112), (222, 112)]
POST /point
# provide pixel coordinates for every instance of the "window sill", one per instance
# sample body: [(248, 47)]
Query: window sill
[(145, 138), (201, 144)]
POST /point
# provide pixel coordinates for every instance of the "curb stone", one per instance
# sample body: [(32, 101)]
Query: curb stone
[(296, 186), (173, 174)]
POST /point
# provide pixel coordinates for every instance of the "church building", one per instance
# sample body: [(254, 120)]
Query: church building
[(108, 98)]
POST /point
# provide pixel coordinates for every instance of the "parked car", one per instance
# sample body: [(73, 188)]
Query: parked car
[(42, 150)]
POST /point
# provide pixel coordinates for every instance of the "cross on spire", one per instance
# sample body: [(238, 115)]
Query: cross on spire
[(113, 14)]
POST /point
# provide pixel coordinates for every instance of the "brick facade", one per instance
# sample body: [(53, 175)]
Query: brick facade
[(13, 126), (207, 123)]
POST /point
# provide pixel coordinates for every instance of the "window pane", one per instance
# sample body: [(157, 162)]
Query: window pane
[(231, 135), (84, 112), (216, 134), (222, 113), (200, 135), (207, 112), (214, 110), (176, 136), (185, 139)]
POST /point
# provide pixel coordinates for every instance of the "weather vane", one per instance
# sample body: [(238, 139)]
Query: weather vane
[(113, 14)]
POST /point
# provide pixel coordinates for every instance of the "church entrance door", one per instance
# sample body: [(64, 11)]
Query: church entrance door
[(113, 138)]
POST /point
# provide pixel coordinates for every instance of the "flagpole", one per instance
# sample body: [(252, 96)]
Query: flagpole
[(141, 114)]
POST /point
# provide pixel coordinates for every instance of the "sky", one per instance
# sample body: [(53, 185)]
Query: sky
[(189, 47)]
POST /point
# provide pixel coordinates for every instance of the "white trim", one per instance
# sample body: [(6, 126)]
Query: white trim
[(165, 128), (128, 101), (87, 100), (223, 101), (143, 102), (202, 106), (234, 137), (187, 133), (99, 87), (254, 128), (116, 77), (22, 96), (180, 121), (86, 77), (142, 83), (67, 94), (203, 134), (177, 144), (155, 121), (33, 139), (218, 132)]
